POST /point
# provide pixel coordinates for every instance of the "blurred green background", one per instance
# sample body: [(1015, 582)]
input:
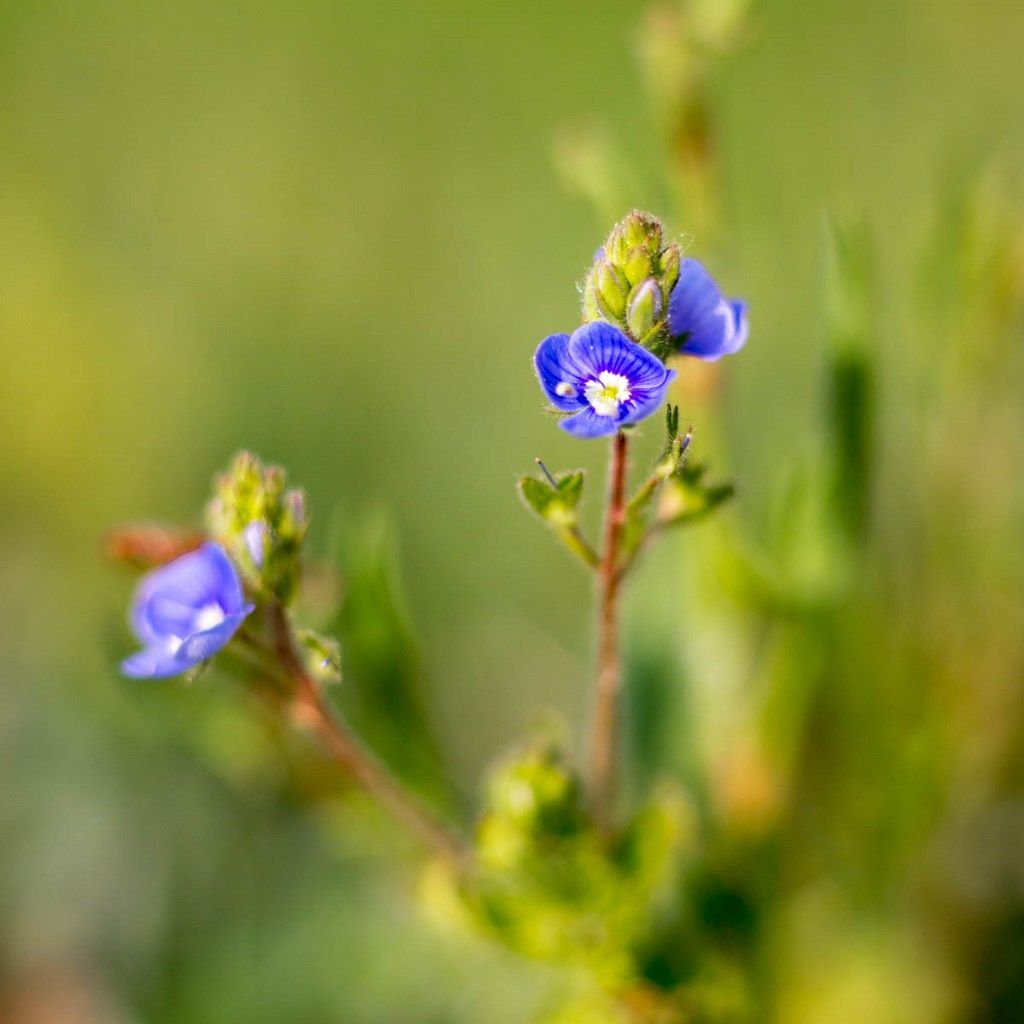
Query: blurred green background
[(333, 233)]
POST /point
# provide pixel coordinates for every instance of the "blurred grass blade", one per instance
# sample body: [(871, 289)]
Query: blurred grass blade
[(382, 690), (850, 314)]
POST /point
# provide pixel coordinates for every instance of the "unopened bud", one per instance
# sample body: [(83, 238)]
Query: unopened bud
[(641, 230), (638, 265), (257, 537), (606, 292), (645, 307), (295, 513), (668, 264)]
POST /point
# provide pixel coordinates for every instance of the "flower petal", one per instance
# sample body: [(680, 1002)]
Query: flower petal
[(599, 347), (201, 646), (644, 401), (739, 316), (706, 325), (554, 367), (153, 663), (588, 424), (204, 576)]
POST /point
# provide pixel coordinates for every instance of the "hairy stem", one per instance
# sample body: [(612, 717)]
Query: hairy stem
[(605, 737), (312, 711)]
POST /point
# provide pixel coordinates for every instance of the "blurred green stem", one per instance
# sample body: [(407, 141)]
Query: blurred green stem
[(312, 711), (571, 537), (605, 737)]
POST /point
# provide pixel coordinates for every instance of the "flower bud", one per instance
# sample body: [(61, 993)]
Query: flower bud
[(606, 292), (668, 265), (637, 230), (637, 265), (260, 523), (294, 514), (645, 306), (257, 536)]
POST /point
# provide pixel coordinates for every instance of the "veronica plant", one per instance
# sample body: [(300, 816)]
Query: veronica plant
[(642, 304), (551, 869)]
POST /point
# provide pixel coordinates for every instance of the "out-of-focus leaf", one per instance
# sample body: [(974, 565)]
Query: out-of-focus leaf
[(382, 688), (851, 378)]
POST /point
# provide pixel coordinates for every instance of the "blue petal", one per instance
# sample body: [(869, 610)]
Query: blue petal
[(554, 367), (645, 401), (588, 424), (153, 663), (256, 535), (166, 616), (739, 318), (706, 325), (201, 646), (598, 347), (204, 576), (159, 661)]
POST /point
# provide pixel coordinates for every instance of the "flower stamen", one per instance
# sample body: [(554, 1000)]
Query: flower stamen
[(607, 393)]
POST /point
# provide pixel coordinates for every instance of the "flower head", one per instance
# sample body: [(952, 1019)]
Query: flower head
[(184, 612), (702, 322), (260, 523), (602, 377)]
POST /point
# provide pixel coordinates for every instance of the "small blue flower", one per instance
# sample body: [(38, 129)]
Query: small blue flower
[(184, 612), (700, 320), (600, 375)]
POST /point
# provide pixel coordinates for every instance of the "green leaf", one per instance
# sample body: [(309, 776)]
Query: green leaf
[(536, 493), (570, 487), (556, 504)]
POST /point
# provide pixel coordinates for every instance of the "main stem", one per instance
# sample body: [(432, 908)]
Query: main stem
[(312, 711), (605, 737)]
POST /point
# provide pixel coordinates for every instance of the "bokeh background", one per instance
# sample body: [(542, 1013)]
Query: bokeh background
[(333, 233)]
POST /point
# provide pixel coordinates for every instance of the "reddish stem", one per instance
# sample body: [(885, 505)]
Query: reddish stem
[(312, 711), (605, 736)]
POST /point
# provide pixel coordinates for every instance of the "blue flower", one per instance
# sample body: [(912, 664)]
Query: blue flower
[(702, 322), (602, 377), (184, 612)]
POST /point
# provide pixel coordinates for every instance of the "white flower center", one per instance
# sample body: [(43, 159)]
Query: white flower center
[(607, 393), (208, 616)]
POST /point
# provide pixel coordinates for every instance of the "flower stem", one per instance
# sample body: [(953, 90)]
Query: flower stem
[(577, 544), (605, 736), (311, 710)]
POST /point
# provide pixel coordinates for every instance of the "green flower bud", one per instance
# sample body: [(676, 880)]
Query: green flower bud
[(631, 280), (637, 230), (645, 306), (260, 523), (668, 267), (606, 292), (638, 265)]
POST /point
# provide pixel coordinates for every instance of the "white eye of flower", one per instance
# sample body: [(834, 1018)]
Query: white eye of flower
[(565, 389), (207, 617), (607, 393)]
